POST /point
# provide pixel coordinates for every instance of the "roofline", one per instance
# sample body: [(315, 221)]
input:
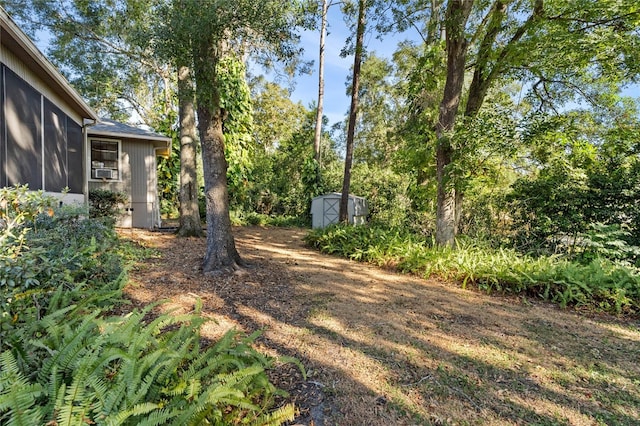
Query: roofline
[(93, 132), (25, 43)]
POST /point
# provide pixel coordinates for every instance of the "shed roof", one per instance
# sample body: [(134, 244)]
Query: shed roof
[(16, 41), (111, 128), (338, 195)]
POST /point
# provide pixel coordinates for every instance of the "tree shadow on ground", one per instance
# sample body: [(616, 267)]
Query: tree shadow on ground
[(382, 348)]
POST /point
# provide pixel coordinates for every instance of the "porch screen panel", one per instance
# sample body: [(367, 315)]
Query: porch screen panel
[(55, 148), (23, 127), (75, 142)]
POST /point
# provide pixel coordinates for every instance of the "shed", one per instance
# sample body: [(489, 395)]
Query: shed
[(325, 210)]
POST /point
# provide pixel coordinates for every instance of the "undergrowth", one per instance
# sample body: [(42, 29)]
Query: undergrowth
[(239, 218), (64, 360), (600, 284)]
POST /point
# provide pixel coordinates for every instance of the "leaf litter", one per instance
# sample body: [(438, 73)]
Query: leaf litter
[(381, 348)]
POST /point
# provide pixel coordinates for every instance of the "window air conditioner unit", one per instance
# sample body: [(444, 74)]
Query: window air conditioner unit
[(105, 173)]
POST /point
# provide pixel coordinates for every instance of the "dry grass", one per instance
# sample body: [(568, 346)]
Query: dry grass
[(388, 349)]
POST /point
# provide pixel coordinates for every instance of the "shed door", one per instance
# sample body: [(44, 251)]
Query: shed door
[(330, 211)]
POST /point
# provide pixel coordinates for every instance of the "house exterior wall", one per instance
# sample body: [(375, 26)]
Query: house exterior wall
[(12, 62), (138, 179), (41, 139)]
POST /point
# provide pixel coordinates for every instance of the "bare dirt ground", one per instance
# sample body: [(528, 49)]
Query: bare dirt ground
[(382, 348)]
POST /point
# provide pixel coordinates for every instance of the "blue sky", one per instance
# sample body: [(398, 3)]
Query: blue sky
[(337, 69)]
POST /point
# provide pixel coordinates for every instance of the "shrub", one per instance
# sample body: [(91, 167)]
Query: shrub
[(105, 204), (44, 250), (64, 361)]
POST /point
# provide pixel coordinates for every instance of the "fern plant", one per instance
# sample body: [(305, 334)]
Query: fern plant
[(121, 371), (18, 396)]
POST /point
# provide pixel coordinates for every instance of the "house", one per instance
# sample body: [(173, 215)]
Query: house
[(52, 140), (122, 158)]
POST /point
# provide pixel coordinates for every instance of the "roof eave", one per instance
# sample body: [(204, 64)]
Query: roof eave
[(159, 138)]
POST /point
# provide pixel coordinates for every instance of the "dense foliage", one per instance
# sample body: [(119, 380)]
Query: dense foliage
[(65, 358), (600, 284)]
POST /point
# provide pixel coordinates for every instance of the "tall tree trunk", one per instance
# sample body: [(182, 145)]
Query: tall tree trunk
[(221, 254), (353, 112), (317, 138), (482, 75), (455, 21), (190, 225), (491, 60)]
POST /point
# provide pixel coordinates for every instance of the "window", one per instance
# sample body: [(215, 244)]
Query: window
[(105, 157)]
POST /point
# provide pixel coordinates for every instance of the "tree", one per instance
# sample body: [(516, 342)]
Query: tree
[(103, 48), (353, 109), (379, 113), (190, 225), (585, 173), (275, 115), (235, 97), (317, 137), (457, 14), (562, 50), (206, 33), (285, 177)]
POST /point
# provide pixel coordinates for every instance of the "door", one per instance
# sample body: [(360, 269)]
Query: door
[(330, 211)]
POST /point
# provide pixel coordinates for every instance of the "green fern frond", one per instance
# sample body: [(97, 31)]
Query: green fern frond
[(17, 395), (112, 400), (137, 410), (77, 401), (143, 382), (241, 376), (155, 418), (283, 414), (72, 346)]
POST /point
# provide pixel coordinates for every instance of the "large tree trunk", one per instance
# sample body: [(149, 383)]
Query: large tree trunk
[(190, 225), (483, 75), (353, 112), (317, 138), (456, 18), (221, 254), (491, 58)]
